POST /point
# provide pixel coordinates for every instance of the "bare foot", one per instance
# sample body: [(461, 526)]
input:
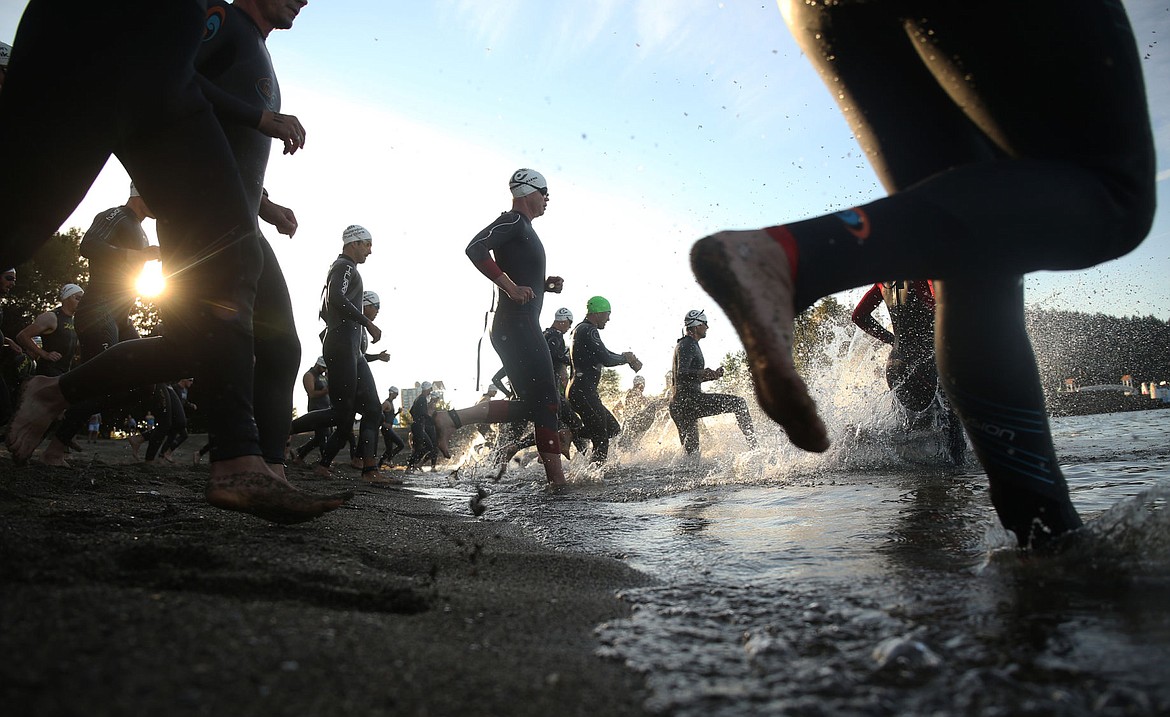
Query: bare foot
[(136, 442), (379, 478), (552, 468), (747, 273), (566, 435), (247, 484), (54, 454), (444, 427), (40, 403), (324, 472)]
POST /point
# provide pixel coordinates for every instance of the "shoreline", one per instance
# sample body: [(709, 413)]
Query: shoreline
[(124, 592)]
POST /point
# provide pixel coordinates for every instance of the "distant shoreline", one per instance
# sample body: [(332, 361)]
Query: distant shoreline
[(1086, 403)]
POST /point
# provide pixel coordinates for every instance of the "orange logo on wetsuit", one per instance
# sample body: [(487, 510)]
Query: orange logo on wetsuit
[(856, 222)]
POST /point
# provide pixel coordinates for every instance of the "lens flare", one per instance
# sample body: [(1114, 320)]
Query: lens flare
[(151, 281)]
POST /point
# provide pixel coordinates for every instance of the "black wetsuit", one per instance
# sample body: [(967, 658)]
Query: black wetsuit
[(351, 384), (241, 83), (177, 434), (516, 334), (63, 340), (688, 402), (559, 352), (422, 432), (142, 103), (111, 244), (390, 438), (1013, 138), (910, 369), (317, 403), (589, 357)]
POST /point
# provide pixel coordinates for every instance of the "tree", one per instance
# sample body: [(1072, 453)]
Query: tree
[(145, 316), (813, 332), (609, 388), (39, 280)]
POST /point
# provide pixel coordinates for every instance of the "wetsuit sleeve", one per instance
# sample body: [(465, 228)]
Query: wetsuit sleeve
[(217, 54), (863, 315), (687, 369), (96, 242), (925, 291), (229, 108), (596, 350), (336, 302), (493, 236)]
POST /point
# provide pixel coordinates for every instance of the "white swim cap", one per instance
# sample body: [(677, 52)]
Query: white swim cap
[(527, 181), (5, 51), (393, 390), (320, 361), (369, 298), (639, 381), (426, 385), (355, 232), (694, 317), (69, 290), (563, 314)]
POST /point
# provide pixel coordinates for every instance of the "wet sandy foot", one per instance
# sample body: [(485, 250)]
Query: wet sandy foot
[(266, 496), (41, 402), (747, 273)]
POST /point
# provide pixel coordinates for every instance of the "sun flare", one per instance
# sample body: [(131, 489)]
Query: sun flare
[(151, 281)]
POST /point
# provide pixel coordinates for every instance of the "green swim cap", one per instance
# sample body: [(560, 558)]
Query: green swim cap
[(597, 305)]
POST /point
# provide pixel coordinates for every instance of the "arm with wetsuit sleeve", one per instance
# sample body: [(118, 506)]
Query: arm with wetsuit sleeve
[(337, 303), (863, 315), (493, 236), (688, 368), (595, 349)]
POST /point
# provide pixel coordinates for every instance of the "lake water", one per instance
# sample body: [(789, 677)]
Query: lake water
[(873, 579)]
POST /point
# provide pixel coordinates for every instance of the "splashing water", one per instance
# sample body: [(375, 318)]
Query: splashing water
[(873, 578)]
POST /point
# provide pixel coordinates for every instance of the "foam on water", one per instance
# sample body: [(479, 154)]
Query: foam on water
[(874, 578)]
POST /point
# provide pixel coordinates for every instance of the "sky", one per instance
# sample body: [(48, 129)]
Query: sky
[(655, 122)]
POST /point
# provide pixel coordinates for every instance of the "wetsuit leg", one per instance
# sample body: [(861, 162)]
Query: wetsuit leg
[(687, 411), (165, 401), (394, 444), (977, 116), (340, 349), (520, 343), (914, 381), (278, 358), (990, 376), (142, 105), (599, 423), (370, 408)]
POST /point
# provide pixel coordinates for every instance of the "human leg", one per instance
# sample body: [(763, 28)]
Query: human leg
[(278, 356), (1032, 150)]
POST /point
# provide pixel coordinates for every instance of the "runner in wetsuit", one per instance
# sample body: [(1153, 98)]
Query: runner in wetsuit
[(316, 385), (143, 104), (590, 356), (351, 385), (394, 444), (58, 333), (910, 368), (1013, 138), (117, 248), (518, 269), (422, 428), (688, 402), (236, 73)]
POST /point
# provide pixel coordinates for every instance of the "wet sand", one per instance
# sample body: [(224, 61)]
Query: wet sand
[(124, 593)]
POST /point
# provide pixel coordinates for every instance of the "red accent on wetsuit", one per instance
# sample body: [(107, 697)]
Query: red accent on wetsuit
[(787, 242), (489, 268)]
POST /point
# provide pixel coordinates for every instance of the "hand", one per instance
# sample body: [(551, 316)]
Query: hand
[(384, 356), (280, 217), (151, 253), (51, 356), (633, 361), (286, 128), (193, 406), (375, 334), (522, 294), (554, 284)]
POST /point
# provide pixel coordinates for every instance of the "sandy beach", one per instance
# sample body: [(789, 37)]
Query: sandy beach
[(125, 593)]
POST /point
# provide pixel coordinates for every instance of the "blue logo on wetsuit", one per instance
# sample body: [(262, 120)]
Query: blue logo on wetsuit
[(213, 22), (855, 221)]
